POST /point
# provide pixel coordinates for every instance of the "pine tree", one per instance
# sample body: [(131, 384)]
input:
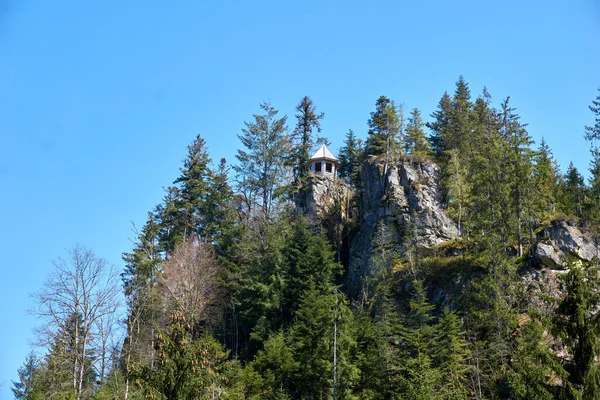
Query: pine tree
[(573, 193), (451, 355), (219, 214), (350, 156), (592, 135), (262, 163), (592, 132), (534, 364), (385, 128), (30, 384), (546, 181), (307, 121), (194, 183), (311, 264), (439, 125), (577, 325), (187, 367), (421, 379), (519, 163), (323, 327), (415, 138)]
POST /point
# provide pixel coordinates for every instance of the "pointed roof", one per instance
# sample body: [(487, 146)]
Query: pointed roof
[(323, 152)]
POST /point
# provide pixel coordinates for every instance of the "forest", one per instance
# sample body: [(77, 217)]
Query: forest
[(231, 290)]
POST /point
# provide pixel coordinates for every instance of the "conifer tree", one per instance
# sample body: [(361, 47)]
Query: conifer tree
[(29, 386), (187, 367), (546, 181), (534, 363), (421, 379), (577, 325), (302, 138), (219, 213), (310, 264), (519, 159), (194, 183), (415, 138), (262, 162), (451, 355), (573, 192), (592, 132), (439, 125), (350, 156), (385, 127), (592, 135)]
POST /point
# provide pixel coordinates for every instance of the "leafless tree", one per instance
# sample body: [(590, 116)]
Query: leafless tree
[(189, 279), (82, 288)]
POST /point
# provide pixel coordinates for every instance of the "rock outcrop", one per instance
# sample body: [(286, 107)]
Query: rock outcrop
[(564, 241), (322, 195), (405, 198)]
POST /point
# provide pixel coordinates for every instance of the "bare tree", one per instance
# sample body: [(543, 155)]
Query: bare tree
[(78, 297), (189, 279)]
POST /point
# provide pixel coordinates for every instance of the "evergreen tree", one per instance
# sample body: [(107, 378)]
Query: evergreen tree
[(520, 160), (350, 156), (261, 169), (573, 192), (421, 379), (546, 181), (186, 367), (311, 265), (29, 386), (219, 214), (385, 128), (259, 298), (307, 121), (415, 138), (439, 125), (322, 329), (194, 183), (451, 355), (534, 364), (577, 325), (592, 132), (592, 135)]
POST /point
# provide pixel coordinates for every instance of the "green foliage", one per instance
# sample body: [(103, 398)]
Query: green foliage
[(186, 367), (535, 371), (29, 386), (546, 178), (351, 157), (577, 325), (288, 331), (573, 192), (415, 142), (302, 139), (385, 126), (451, 354), (262, 162)]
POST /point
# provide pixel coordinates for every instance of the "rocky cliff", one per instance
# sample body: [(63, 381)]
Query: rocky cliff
[(405, 197), (563, 241)]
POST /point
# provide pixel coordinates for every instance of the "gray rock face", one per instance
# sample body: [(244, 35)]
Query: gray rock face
[(322, 194), (407, 198), (550, 256), (563, 241)]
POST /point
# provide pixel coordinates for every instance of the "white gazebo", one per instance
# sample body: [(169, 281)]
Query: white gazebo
[(323, 163)]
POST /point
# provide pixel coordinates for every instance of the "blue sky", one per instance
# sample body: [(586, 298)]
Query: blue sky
[(100, 99)]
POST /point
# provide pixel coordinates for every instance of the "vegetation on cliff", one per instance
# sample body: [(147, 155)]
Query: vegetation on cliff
[(232, 292)]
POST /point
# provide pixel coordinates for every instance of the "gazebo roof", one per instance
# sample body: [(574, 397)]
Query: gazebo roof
[(323, 153)]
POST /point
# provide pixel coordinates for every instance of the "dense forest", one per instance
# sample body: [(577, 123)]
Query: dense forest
[(233, 291)]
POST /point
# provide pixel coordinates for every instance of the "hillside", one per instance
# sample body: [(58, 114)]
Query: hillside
[(459, 264)]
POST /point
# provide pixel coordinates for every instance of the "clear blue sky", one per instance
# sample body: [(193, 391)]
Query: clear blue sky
[(100, 99)]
